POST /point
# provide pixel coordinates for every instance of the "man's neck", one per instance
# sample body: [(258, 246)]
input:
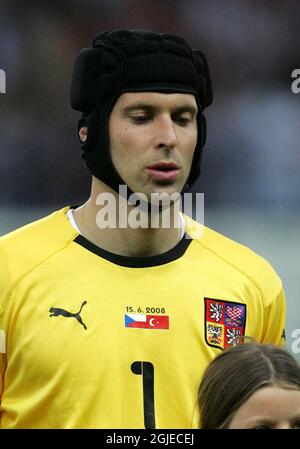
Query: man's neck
[(127, 241)]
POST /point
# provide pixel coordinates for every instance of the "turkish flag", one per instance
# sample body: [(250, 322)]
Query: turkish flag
[(157, 322)]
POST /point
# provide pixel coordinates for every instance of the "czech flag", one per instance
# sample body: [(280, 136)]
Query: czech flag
[(143, 321)]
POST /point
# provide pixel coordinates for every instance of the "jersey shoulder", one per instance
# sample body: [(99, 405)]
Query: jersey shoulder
[(25, 248), (247, 262)]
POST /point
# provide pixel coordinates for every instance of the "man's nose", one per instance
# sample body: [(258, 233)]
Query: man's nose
[(165, 133)]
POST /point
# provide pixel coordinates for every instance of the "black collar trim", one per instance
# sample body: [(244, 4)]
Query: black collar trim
[(137, 262)]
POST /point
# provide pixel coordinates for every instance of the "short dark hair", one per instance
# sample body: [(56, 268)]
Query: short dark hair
[(239, 371)]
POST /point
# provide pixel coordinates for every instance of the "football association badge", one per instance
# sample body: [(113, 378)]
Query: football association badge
[(225, 322)]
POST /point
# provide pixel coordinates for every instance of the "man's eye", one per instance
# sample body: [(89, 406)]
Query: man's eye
[(183, 120), (140, 118)]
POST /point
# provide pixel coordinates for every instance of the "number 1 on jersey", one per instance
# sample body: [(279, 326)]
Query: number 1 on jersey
[(146, 370)]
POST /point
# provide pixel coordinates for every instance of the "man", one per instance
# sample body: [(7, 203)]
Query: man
[(107, 324)]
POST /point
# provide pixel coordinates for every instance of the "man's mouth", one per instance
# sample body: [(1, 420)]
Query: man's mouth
[(164, 171)]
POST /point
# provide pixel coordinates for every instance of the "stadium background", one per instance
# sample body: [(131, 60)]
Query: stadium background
[(251, 168)]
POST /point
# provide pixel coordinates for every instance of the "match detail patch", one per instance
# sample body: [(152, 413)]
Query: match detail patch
[(143, 321)]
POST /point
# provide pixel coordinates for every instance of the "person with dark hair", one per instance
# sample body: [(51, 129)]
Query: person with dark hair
[(110, 311), (251, 386)]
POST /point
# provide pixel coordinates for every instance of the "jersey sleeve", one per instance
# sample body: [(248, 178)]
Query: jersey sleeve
[(274, 323)]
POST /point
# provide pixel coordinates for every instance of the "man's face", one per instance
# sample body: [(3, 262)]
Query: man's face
[(152, 140)]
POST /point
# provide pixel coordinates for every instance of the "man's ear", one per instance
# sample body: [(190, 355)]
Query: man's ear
[(83, 133), (87, 132)]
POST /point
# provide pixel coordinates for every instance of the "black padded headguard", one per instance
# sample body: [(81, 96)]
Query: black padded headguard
[(134, 61)]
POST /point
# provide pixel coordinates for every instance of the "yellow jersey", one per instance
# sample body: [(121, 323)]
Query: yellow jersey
[(91, 339)]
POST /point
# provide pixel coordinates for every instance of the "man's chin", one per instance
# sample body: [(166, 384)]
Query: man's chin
[(158, 200), (158, 195), (168, 187)]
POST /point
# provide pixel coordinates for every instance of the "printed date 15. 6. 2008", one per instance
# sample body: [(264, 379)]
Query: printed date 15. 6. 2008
[(130, 309)]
